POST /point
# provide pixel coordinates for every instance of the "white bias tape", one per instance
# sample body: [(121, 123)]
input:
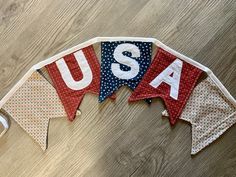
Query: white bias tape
[(5, 124)]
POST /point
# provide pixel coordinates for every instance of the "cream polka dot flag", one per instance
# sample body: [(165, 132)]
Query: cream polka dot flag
[(32, 105), (210, 114)]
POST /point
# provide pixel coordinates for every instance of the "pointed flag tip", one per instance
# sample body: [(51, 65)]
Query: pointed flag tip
[(100, 100), (71, 117)]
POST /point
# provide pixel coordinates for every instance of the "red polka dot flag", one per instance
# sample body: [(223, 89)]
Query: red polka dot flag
[(72, 98), (161, 81)]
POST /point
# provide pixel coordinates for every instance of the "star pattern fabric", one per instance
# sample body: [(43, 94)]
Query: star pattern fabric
[(72, 97), (183, 79), (210, 114), (109, 81), (33, 105)]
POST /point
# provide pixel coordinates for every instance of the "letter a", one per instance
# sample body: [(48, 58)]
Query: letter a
[(171, 76)]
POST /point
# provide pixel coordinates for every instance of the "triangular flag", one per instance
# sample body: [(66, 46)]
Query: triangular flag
[(170, 78), (123, 63), (73, 76), (210, 114), (32, 106)]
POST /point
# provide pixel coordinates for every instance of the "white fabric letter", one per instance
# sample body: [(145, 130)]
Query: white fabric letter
[(118, 55), (85, 68), (174, 68)]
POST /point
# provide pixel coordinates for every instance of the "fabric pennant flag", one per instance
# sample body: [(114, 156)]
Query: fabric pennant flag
[(32, 106), (210, 114), (73, 76), (170, 78), (123, 63)]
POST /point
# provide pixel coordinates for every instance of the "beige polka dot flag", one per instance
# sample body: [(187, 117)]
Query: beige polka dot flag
[(210, 114), (32, 106)]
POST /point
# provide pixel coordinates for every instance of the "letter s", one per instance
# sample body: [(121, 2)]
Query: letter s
[(119, 57)]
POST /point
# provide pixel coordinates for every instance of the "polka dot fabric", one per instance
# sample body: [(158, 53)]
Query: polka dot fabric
[(188, 79), (210, 114), (109, 82), (72, 99), (32, 105)]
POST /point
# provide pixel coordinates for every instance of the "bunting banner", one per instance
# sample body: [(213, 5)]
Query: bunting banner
[(170, 78), (123, 63), (73, 76), (55, 87)]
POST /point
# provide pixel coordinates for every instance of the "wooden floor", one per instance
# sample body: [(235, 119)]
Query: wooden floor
[(116, 139)]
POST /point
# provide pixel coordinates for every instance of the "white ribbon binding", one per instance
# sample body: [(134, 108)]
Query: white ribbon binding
[(5, 124)]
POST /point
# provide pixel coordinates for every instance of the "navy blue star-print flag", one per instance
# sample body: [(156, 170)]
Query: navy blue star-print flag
[(123, 63)]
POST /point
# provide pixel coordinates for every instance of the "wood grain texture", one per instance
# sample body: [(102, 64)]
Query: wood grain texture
[(116, 139)]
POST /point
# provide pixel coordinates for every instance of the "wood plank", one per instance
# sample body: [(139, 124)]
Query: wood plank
[(116, 138)]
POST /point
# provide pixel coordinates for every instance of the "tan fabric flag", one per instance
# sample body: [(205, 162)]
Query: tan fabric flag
[(32, 105), (209, 112)]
